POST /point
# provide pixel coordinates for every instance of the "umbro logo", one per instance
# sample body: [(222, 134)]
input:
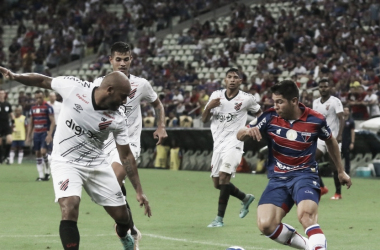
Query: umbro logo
[(103, 119), (78, 108)]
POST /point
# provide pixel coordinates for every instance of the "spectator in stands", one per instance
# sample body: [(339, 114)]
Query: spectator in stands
[(172, 120), (194, 102), (149, 120), (371, 100), (14, 49), (211, 84), (77, 50), (27, 61), (355, 101)]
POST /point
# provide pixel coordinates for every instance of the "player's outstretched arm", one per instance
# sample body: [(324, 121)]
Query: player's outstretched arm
[(128, 161), (246, 133), (333, 149), (160, 132), (29, 79)]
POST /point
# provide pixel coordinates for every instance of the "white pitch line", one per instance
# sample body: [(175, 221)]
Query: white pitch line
[(145, 234)]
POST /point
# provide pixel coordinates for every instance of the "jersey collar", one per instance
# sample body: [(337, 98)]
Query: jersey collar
[(305, 112), (229, 99)]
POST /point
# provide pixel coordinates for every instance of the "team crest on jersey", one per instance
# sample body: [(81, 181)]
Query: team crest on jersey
[(238, 106), (306, 136), (104, 125), (133, 93), (327, 107), (63, 185)]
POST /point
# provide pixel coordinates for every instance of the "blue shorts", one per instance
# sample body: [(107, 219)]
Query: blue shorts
[(18, 144), (285, 192), (39, 142)]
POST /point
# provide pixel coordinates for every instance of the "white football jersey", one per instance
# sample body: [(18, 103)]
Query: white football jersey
[(140, 90), (82, 129), (330, 109), (57, 109), (229, 117)]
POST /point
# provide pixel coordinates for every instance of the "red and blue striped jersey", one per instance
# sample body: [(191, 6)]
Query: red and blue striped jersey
[(40, 115), (292, 144)]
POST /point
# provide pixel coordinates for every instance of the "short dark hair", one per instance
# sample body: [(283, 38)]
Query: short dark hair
[(38, 91), (287, 88), (324, 80), (121, 47), (233, 70)]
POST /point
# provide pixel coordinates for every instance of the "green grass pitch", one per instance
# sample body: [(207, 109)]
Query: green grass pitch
[(183, 204)]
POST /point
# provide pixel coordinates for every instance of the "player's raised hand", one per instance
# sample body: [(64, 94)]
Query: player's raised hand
[(160, 134), (214, 103), (143, 200), (7, 73), (344, 179)]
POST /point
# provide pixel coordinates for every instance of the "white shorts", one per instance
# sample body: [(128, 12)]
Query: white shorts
[(321, 145), (225, 162), (113, 156), (99, 182)]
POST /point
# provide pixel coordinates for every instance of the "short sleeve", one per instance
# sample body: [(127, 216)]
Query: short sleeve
[(324, 131), (50, 110), (149, 94), (254, 106), (121, 133), (338, 106), (65, 84)]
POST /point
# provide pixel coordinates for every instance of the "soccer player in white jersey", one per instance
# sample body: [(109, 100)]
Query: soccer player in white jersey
[(89, 114), (227, 110), (332, 108), (141, 89)]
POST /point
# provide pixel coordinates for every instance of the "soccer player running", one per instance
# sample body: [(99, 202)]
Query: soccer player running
[(41, 125), (5, 129), (332, 109), (292, 130), (89, 114), (228, 110), (121, 59)]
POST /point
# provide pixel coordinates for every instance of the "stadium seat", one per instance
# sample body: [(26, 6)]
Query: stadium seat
[(356, 162), (74, 72), (194, 64), (186, 159)]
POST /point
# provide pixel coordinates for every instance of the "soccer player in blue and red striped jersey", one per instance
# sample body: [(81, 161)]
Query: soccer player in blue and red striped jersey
[(42, 123), (292, 131)]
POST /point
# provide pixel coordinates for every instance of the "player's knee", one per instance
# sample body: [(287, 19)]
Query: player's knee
[(69, 210), (266, 226)]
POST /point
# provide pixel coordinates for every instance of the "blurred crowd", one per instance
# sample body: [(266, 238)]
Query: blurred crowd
[(66, 30), (308, 41)]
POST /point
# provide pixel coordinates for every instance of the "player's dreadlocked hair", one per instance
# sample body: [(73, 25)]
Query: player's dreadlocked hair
[(287, 88), (120, 47)]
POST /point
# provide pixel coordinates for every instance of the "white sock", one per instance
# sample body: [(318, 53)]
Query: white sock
[(317, 240), (20, 156), (11, 156), (40, 168), (287, 235)]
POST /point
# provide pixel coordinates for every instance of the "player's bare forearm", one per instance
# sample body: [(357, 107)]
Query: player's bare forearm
[(206, 116), (160, 113), (29, 79), (130, 167), (243, 134)]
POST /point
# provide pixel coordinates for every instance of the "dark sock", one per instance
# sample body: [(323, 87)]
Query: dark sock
[(235, 192), (223, 199), (121, 230), (338, 186), (69, 233), (7, 150), (133, 231)]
